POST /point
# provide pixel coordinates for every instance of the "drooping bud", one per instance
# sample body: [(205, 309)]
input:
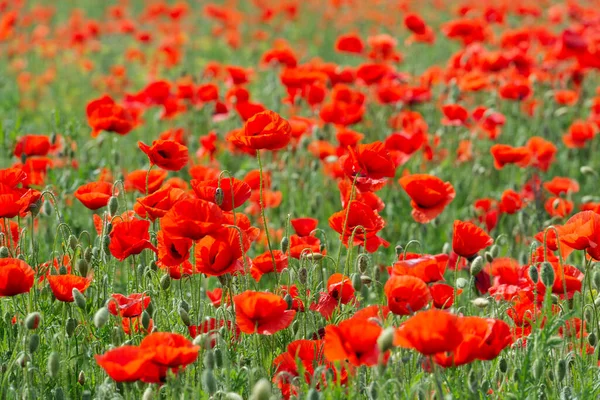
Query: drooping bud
[(261, 390), (53, 364), (303, 275), (83, 267), (32, 321), (285, 243), (209, 381), (73, 242), (113, 205), (34, 342), (561, 370), (101, 317), (145, 320), (385, 341), (534, 274), (209, 359), (218, 358), (87, 255), (70, 326), (362, 263), (185, 317), (476, 266), (47, 208), (289, 300), (356, 282), (81, 378), (480, 302), (488, 256), (398, 249), (4, 252), (165, 282), (219, 196), (592, 340), (79, 299), (538, 369), (547, 274), (503, 365)]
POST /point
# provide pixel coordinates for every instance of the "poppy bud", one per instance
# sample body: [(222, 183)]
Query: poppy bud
[(47, 208), (495, 251), (81, 378), (62, 270), (385, 341), (503, 365), (87, 255), (82, 267), (446, 248), (145, 320), (218, 358), (261, 390), (148, 394), (366, 280), (32, 321), (313, 394), (165, 282), (547, 274), (488, 256), (219, 196), (79, 299), (480, 302), (561, 370), (72, 242), (106, 244), (356, 282), (34, 342), (101, 317), (153, 266), (86, 395), (184, 304), (209, 359), (95, 252), (303, 275), (185, 317), (461, 283), (35, 208), (113, 205), (592, 340), (587, 170), (289, 300), (53, 364), (59, 393), (534, 274), (538, 369), (314, 256), (596, 279), (555, 341), (233, 396), (116, 157), (362, 262), (3, 252), (23, 360), (285, 242), (209, 381), (322, 247), (199, 340), (70, 326), (398, 250), (476, 266), (21, 257)]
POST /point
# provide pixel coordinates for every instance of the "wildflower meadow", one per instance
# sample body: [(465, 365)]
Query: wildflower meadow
[(299, 199)]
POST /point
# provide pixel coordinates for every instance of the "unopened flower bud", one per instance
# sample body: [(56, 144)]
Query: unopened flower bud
[(79, 299), (113, 205), (503, 365), (184, 304), (476, 266), (218, 358), (596, 279), (148, 394), (488, 256), (34, 342), (87, 255), (398, 249), (495, 251), (461, 283), (165, 282), (592, 340), (385, 341), (70, 326), (82, 267), (561, 370), (219, 196), (32, 321), (480, 302), (81, 378), (4, 252), (356, 282), (47, 208), (53, 364), (185, 317), (303, 275), (538, 369), (209, 381), (285, 242), (289, 300), (23, 360), (101, 317), (209, 359), (145, 320), (73, 242), (547, 274), (534, 274), (261, 390), (362, 262)]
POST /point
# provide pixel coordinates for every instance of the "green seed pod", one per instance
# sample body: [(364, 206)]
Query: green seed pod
[(534, 274), (303, 275), (165, 282), (285, 244), (356, 282), (106, 244), (53, 364), (34, 342), (209, 359), (503, 365), (592, 339), (101, 317), (538, 369), (185, 317), (145, 320), (4, 252), (72, 242), (261, 390), (81, 378), (33, 320), (476, 266), (547, 274), (47, 208), (314, 256), (113, 205), (70, 326), (561, 370), (79, 299), (385, 341), (219, 196), (218, 358), (87, 255), (209, 381), (289, 300), (82, 267), (59, 393)]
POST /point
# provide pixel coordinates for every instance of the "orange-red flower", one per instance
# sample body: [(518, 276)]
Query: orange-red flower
[(62, 285), (406, 294), (219, 253), (430, 332), (104, 114), (94, 195), (353, 340), (32, 145), (262, 313), (504, 154), (130, 237), (468, 239), (234, 194), (429, 195), (579, 133), (369, 166), (192, 219), (263, 263), (339, 291), (16, 277), (127, 363), (166, 154), (128, 306), (170, 350), (362, 225), (265, 130), (155, 205)]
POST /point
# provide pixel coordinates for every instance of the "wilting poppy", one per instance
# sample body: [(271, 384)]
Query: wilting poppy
[(262, 313), (130, 237), (16, 277), (127, 363), (94, 195), (166, 154), (429, 195), (265, 130), (62, 285), (353, 340), (406, 294), (468, 239), (362, 225)]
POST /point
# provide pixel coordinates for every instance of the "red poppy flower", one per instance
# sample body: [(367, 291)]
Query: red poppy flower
[(429, 195), (104, 114), (430, 332), (134, 325), (579, 133), (559, 185), (166, 154), (304, 226), (504, 154), (127, 363), (427, 268), (350, 43), (442, 295), (137, 180), (156, 204), (516, 91), (406, 294), (211, 327), (415, 23), (369, 198), (171, 350), (262, 313), (173, 250), (234, 194), (62, 285), (558, 207), (219, 253), (15, 201), (32, 145), (94, 195), (130, 237), (368, 165), (542, 152), (339, 291), (304, 245), (128, 306), (468, 239), (510, 202), (362, 224), (265, 130), (192, 219), (16, 277), (454, 115), (263, 264), (353, 340)]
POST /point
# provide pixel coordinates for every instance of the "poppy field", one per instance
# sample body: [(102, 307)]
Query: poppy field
[(285, 199)]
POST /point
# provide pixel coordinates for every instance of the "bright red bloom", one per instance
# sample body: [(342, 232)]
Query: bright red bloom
[(304, 226), (415, 23), (504, 154), (442, 295), (429, 195), (350, 43), (353, 340), (137, 180), (130, 237), (32, 145), (510, 202), (427, 268), (368, 165), (468, 239), (362, 225), (62, 285), (406, 294), (265, 130), (262, 313), (454, 115), (170, 350), (16, 277), (542, 152), (339, 291), (234, 194), (430, 332), (94, 195), (104, 114), (166, 154), (558, 207), (559, 185), (193, 219), (156, 205), (127, 363), (128, 306), (580, 132), (219, 253), (263, 263)]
